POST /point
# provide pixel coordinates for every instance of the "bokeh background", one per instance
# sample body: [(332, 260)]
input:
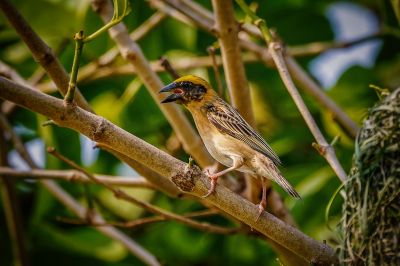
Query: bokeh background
[(345, 74)]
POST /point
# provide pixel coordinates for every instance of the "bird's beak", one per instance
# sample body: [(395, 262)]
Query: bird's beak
[(173, 97)]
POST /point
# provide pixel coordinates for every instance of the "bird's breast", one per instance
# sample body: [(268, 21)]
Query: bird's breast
[(221, 146)]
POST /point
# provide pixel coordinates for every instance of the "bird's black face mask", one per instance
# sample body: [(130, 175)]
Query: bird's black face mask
[(183, 92)]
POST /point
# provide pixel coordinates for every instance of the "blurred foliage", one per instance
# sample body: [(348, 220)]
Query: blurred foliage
[(126, 102)]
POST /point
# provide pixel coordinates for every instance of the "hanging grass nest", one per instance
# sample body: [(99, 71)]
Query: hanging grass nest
[(371, 220)]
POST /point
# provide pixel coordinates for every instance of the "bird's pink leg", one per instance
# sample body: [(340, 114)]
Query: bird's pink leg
[(263, 202), (237, 162)]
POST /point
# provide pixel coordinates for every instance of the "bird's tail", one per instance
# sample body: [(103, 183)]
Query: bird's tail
[(266, 168)]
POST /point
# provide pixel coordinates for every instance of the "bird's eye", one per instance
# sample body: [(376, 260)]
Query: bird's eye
[(178, 91)]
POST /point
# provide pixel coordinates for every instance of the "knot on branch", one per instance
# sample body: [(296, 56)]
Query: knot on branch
[(45, 57), (99, 130), (185, 180), (322, 149)]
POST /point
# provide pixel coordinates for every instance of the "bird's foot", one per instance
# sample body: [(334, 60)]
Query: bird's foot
[(214, 179), (261, 208)]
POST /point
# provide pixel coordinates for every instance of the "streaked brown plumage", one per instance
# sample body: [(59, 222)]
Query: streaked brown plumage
[(226, 135)]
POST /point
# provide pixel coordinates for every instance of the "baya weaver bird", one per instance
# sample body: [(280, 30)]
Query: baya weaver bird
[(226, 135)]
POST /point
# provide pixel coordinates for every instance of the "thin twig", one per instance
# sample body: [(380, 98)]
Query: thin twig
[(75, 176), (73, 205), (164, 62), (313, 89), (181, 63), (81, 39), (275, 49), (162, 184), (151, 208), (79, 42), (91, 69), (211, 52), (95, 71), (316, 48), (143, 221), (41, 52)]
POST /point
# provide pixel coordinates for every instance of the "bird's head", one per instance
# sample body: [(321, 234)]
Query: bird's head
[(187, 90)]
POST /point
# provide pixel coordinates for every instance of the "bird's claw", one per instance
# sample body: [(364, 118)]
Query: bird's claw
[(207, 172), (213, 184), (260, 211), (261, 208)]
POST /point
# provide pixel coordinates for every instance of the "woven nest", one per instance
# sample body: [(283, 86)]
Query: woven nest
[(371, 224)]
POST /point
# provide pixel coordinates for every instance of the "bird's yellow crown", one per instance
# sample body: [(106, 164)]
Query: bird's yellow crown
[(195, 80)]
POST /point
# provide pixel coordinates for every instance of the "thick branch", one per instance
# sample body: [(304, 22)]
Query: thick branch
[(228, 29), (191, 180)]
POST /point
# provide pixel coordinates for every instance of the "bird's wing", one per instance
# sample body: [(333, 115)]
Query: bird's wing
[(227, 120)]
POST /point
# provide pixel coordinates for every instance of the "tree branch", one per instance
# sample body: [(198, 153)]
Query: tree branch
[(75, 176), (306, 82), (74, 206), (190, 180), (228, 29), (131, 51), (120, 194), (111, 232), (275, 49), (326, 150), (144, 220), (163, 184), (311, 87), (41, 52), (204, 19), (11, 208)]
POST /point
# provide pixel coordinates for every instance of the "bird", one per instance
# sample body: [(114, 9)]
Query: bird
[(227, 136)]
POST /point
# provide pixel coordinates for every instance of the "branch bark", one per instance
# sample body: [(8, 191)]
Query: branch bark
[(228, 29), (189, 179)]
